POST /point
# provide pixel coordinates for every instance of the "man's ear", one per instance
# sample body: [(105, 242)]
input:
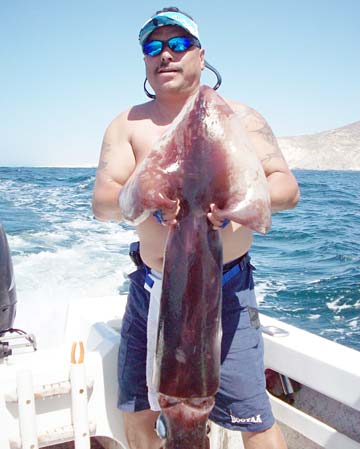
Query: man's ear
[(202, 58)]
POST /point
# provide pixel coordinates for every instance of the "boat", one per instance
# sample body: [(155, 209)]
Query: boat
[(68, 393)]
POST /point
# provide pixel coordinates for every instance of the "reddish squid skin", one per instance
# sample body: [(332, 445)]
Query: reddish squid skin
[(189, 333), (186, 422)]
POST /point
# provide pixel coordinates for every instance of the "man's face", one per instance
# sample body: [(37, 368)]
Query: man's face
[(171, 72)]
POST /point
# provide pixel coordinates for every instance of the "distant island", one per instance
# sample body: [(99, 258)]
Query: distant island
[(337, 149)]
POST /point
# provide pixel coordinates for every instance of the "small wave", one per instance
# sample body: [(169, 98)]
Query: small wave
[(354, 324), (314, 317), (338, 304)]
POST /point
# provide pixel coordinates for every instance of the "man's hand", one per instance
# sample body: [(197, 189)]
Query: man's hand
[(167, 215), (169, 211), (217, 218)]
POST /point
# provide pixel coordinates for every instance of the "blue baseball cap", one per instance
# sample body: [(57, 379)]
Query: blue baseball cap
[(168, 18)]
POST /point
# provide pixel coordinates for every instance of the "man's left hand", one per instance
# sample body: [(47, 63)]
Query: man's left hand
[(217, 218)]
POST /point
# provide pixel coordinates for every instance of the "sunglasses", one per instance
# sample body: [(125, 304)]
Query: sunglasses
[(177, 44)]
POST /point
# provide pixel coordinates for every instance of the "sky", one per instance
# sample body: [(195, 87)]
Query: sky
[(69, 67)]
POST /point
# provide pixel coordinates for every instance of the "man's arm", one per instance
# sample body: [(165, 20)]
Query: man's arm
[(116, 164), (284, 190)]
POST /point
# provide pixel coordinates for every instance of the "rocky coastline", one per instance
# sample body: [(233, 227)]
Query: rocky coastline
[(336, 149)]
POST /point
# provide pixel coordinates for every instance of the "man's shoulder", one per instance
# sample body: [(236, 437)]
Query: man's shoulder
[(136, 112), (251, 119), (132, 114)]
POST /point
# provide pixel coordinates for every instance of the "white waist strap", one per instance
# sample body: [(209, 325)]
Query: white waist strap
[(152, 327)]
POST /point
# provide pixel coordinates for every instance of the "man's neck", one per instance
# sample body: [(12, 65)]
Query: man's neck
[(168, 107)]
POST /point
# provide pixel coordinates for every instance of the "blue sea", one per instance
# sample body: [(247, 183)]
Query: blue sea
[(308, 266)]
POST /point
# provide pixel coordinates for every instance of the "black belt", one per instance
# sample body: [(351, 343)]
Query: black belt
[(134, 254), (228, 266)]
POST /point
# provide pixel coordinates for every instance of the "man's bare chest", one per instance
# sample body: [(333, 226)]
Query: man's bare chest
[(144, 137)]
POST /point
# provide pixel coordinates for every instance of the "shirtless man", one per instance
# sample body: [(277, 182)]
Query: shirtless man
[(173, 69)]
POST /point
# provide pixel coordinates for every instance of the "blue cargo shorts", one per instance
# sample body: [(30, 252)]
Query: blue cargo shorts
[(241, 402)]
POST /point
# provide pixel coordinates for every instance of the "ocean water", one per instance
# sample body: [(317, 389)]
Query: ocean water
[(308, 266)]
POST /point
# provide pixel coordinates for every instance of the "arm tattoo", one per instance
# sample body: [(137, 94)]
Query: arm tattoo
[(270, 156), (102, 164), (253, 122), (105, 148), (268, 135)]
